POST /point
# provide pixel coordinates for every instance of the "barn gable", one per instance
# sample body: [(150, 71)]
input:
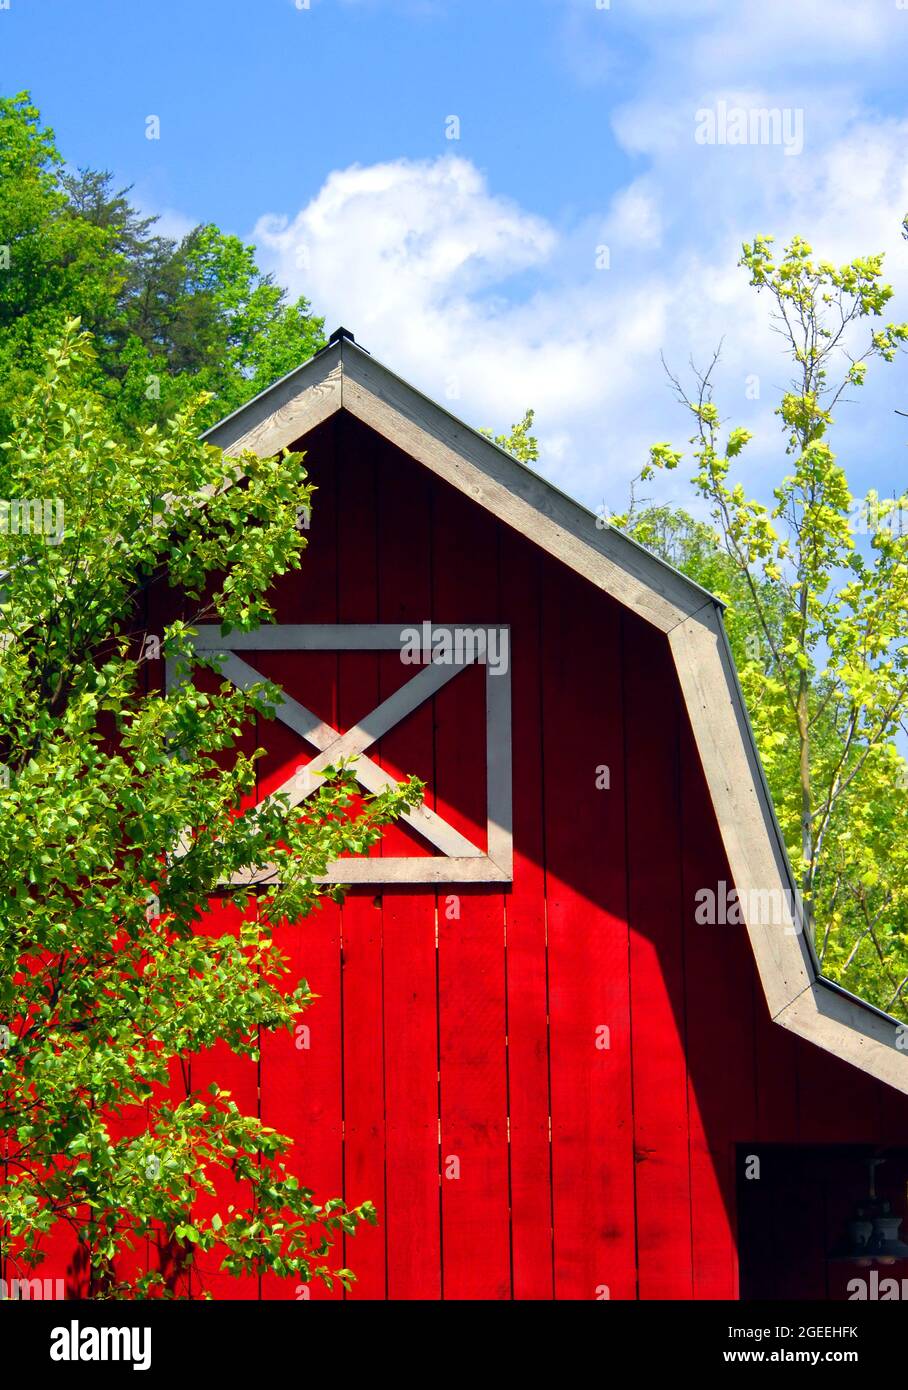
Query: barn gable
[(343, 378)]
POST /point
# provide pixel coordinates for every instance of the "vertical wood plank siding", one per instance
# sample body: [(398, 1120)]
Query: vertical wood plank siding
[(542, 1088)]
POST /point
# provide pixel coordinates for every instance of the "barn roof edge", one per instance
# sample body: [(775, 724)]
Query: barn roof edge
[(344, 376), (342, 344)]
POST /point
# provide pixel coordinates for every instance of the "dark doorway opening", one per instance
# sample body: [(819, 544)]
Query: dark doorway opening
[(792, 1213)]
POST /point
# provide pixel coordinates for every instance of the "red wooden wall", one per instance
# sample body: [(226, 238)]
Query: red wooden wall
[(468, 1024)]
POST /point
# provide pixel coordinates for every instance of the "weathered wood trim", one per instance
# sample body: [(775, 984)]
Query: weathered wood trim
[(438, 869), (849, 1029), (344, 377), (498, 770), (288, 409), (743, 810), (327, 637), (513, 493), (350, 747), (460, 860), (797, 998)]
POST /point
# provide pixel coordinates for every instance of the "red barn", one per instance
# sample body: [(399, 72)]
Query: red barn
[(570, 1038)]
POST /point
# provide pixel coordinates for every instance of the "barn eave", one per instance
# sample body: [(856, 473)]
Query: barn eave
[(345, 377)]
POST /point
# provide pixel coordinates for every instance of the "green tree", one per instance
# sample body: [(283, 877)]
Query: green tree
[(694, 547), (519, 442), (199, 315), (171, 319), (818, 583), (54, 265), (118, 820)]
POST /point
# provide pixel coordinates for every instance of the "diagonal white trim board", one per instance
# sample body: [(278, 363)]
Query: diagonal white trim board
[(334, 746), (458, 860), (344, 377), (798, 999)]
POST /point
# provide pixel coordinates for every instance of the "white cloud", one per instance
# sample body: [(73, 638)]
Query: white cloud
[(806, 33), (416, 258), (490, 308), (431, 224), (635, 217), (703, 38)]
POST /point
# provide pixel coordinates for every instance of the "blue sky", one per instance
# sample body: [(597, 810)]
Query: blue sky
[(260, 101), (474, 266)]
